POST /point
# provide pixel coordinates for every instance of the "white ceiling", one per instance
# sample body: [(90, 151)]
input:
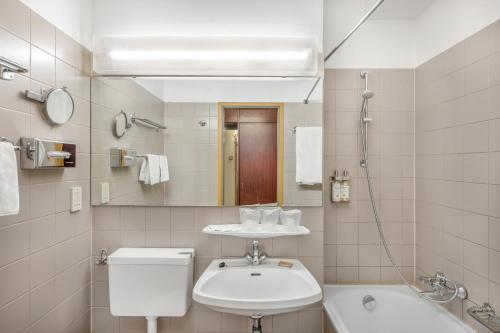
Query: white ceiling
[(399, 9)]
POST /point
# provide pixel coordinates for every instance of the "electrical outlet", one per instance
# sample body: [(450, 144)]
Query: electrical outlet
[(104, 193), (76, 198)]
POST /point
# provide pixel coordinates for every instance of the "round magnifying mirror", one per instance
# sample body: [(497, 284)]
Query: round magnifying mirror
[(58, 106), (120, 124)]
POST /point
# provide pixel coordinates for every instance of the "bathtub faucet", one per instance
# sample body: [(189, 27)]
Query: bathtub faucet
[(443, 290), (436, 282)]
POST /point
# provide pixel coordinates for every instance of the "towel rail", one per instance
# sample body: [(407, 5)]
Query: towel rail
[(16, 147), (148, 122)]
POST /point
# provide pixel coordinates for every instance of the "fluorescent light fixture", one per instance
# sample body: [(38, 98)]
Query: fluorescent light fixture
[(210, 55), (205, 56)]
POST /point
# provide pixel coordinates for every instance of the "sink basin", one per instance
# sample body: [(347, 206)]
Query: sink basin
[(266, 289)]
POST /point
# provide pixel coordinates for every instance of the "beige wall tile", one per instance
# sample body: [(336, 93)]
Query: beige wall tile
[(132, 218), (15, 48), (68, 50), (15, 316), (11, 99), (42, 300), (477, 46), (44, 239), (42, 200), (42, 266), (14, 243), (104, 322), (42, 233), (16, 18), (43, 66), (15, 281), (477, 76), (43, 34)]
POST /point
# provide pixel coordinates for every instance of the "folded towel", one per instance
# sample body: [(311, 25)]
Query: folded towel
[(309, 152), (9, 187), (144, 172), (154, 169), (150, 170), (164, 174)]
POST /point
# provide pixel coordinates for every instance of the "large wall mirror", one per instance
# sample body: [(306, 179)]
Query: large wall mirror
[(206, 141)]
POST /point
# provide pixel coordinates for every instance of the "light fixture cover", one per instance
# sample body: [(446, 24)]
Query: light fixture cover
[(205, 56)]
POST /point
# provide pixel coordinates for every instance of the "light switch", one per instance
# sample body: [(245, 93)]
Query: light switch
[(76, 198), (104, 193)]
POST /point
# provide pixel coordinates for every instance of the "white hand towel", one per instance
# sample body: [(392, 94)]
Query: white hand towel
[(164, 174), (144, 172), (308, 155), (9, 187), (154, 169)]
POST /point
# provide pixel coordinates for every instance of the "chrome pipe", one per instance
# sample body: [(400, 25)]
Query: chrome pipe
[(356, 27), (148, 122), (306, 100)]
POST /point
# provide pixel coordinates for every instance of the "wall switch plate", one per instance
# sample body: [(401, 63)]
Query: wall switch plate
[(104, 193), (75, 199)]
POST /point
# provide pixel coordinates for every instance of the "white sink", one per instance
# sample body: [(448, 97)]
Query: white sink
[(261, 290)]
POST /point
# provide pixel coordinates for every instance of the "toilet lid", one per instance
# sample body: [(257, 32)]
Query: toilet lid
[(151, 256)]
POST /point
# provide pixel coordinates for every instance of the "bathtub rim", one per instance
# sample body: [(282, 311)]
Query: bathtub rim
[(338, 323)]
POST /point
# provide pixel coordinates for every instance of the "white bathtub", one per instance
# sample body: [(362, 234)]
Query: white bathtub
[(397, 310)]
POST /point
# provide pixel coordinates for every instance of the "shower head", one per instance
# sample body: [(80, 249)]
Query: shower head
[(367, 94)]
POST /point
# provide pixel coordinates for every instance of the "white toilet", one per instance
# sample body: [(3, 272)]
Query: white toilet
[(151, 283)]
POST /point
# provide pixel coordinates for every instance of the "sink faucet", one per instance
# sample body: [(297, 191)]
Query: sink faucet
[(255, 257)]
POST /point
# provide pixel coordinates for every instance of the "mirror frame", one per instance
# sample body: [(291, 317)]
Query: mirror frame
[(281, 143), (121, 115), (46, 111)]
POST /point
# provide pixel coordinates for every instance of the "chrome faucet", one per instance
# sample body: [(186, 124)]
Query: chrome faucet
[(443, 289), (255, 257)]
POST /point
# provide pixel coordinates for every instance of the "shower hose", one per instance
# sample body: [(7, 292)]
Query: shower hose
[(365, 165)]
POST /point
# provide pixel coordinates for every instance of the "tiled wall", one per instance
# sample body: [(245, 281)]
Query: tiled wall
[(181, 227), (299, 114), (458, 166), (353, 252), (192, 154), (45, 250), (109, 97)]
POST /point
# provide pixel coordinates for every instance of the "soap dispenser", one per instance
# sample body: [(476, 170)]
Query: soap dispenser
[(336, 187), (345, 188)]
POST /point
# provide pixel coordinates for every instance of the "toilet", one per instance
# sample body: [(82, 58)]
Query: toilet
[(150, 283)]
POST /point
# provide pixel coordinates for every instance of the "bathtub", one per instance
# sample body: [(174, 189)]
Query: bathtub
[(396, 310)]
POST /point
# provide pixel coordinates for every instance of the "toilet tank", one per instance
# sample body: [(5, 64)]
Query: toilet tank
[(150, 281)]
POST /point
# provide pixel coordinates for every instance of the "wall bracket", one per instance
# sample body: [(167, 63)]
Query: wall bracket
[(9, 68)]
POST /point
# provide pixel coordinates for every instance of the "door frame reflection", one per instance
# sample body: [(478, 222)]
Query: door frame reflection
[(280, 107)]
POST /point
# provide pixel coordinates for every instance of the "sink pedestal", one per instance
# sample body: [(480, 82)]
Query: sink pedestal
[(152, 324)]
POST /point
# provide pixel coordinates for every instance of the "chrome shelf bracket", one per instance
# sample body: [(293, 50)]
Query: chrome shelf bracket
[(485, 315), (9, 68)]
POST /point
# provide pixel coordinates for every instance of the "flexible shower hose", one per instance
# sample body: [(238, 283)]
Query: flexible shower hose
[(377, 219)]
